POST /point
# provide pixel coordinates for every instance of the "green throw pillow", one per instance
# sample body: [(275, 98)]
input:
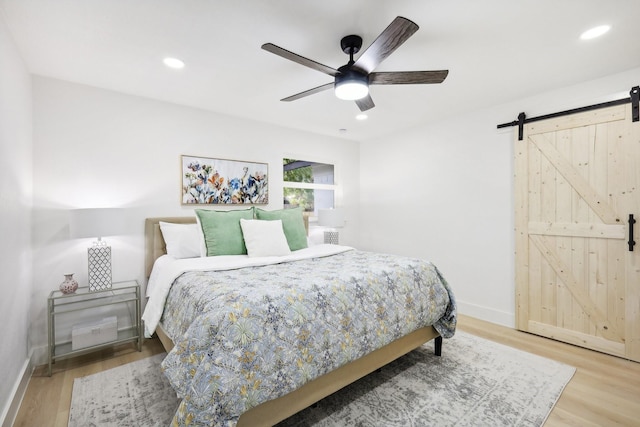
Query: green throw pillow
[(292, 223), (222, 232)]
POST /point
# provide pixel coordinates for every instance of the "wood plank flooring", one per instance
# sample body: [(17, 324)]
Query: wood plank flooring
[(605, 391)]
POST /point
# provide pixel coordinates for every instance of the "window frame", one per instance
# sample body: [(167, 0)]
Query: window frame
[(311, 185)]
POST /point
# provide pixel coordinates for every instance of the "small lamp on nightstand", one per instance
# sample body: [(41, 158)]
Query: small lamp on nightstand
[(97, 223), (332, 219)]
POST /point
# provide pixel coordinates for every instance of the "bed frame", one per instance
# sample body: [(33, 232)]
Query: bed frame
[(272, 412)]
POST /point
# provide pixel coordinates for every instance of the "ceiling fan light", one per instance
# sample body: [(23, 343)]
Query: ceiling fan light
[(351, 91), (351, 85)]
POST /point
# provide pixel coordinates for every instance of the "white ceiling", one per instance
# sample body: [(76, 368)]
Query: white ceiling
[(496, 50)]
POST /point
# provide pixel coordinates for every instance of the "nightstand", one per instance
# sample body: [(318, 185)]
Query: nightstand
[(86, 321)]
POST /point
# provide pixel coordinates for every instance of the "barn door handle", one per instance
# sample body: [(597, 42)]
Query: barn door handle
[(631, 241)]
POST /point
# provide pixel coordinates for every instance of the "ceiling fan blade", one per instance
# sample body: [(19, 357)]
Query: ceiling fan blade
[(407, 77), (308, 92), (270, 47), (365, 103), (389, 40)]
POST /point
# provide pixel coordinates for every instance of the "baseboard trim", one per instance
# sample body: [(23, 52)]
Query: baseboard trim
[(12, 407), (487, 314)]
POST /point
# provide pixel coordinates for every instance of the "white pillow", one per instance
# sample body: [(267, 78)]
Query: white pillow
[(264, 238), (183, 240), (202, 244)]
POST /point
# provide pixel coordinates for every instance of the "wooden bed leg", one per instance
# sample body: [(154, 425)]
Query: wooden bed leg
[(438, 346)]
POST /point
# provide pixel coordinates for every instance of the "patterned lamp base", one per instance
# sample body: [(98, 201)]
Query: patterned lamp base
[(99, 268), (331, 237)]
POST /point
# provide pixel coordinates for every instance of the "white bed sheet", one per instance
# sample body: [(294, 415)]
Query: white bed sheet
[(166, 269)]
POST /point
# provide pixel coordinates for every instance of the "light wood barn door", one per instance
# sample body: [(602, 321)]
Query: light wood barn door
[(577, 179)]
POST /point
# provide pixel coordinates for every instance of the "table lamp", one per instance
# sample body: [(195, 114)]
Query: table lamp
[(99, 223), (332, 219)]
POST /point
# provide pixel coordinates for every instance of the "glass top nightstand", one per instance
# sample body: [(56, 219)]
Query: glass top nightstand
[(83, 321)]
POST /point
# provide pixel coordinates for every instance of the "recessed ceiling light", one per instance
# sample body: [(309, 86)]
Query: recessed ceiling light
[(362, 116), (173, 63), (595, 32)]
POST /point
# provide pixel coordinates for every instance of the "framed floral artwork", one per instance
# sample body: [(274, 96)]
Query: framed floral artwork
[(208, 181)]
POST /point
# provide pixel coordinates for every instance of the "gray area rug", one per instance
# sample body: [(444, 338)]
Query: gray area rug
[(475, 383), (132, 395)]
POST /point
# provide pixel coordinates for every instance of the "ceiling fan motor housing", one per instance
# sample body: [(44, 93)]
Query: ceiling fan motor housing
[(348, 73)]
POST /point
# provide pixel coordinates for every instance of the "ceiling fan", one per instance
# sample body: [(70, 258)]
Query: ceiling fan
[(352, 80)]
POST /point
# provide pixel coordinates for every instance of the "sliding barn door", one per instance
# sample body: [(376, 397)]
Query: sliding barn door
[(577, 179)]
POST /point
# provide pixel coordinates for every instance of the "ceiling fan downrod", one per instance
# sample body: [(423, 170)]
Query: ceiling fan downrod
[(351, 45)]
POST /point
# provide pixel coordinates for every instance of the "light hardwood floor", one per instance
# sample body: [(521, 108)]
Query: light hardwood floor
[(605, 391)]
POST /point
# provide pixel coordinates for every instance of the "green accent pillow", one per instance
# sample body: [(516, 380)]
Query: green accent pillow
[(222, 232), (292, 223)]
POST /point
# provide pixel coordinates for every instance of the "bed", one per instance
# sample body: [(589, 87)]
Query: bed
[(312, 384)]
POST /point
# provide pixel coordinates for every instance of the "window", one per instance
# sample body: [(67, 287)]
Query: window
[(308, 184)]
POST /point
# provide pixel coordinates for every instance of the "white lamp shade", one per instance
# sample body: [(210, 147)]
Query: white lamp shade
[(98, 222), (333, 218)]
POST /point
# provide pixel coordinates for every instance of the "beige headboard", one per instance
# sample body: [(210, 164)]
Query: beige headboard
[(154, 243)]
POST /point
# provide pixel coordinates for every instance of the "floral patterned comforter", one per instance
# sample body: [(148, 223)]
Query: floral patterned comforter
[(246, 336)]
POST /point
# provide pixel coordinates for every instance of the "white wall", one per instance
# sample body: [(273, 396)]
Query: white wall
[(97, 148), (15, 221), (444, 192)]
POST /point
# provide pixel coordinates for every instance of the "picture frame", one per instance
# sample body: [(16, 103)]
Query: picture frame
[(212, 181)]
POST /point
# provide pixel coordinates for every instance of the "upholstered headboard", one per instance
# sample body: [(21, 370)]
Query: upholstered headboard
[(154, 243)]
